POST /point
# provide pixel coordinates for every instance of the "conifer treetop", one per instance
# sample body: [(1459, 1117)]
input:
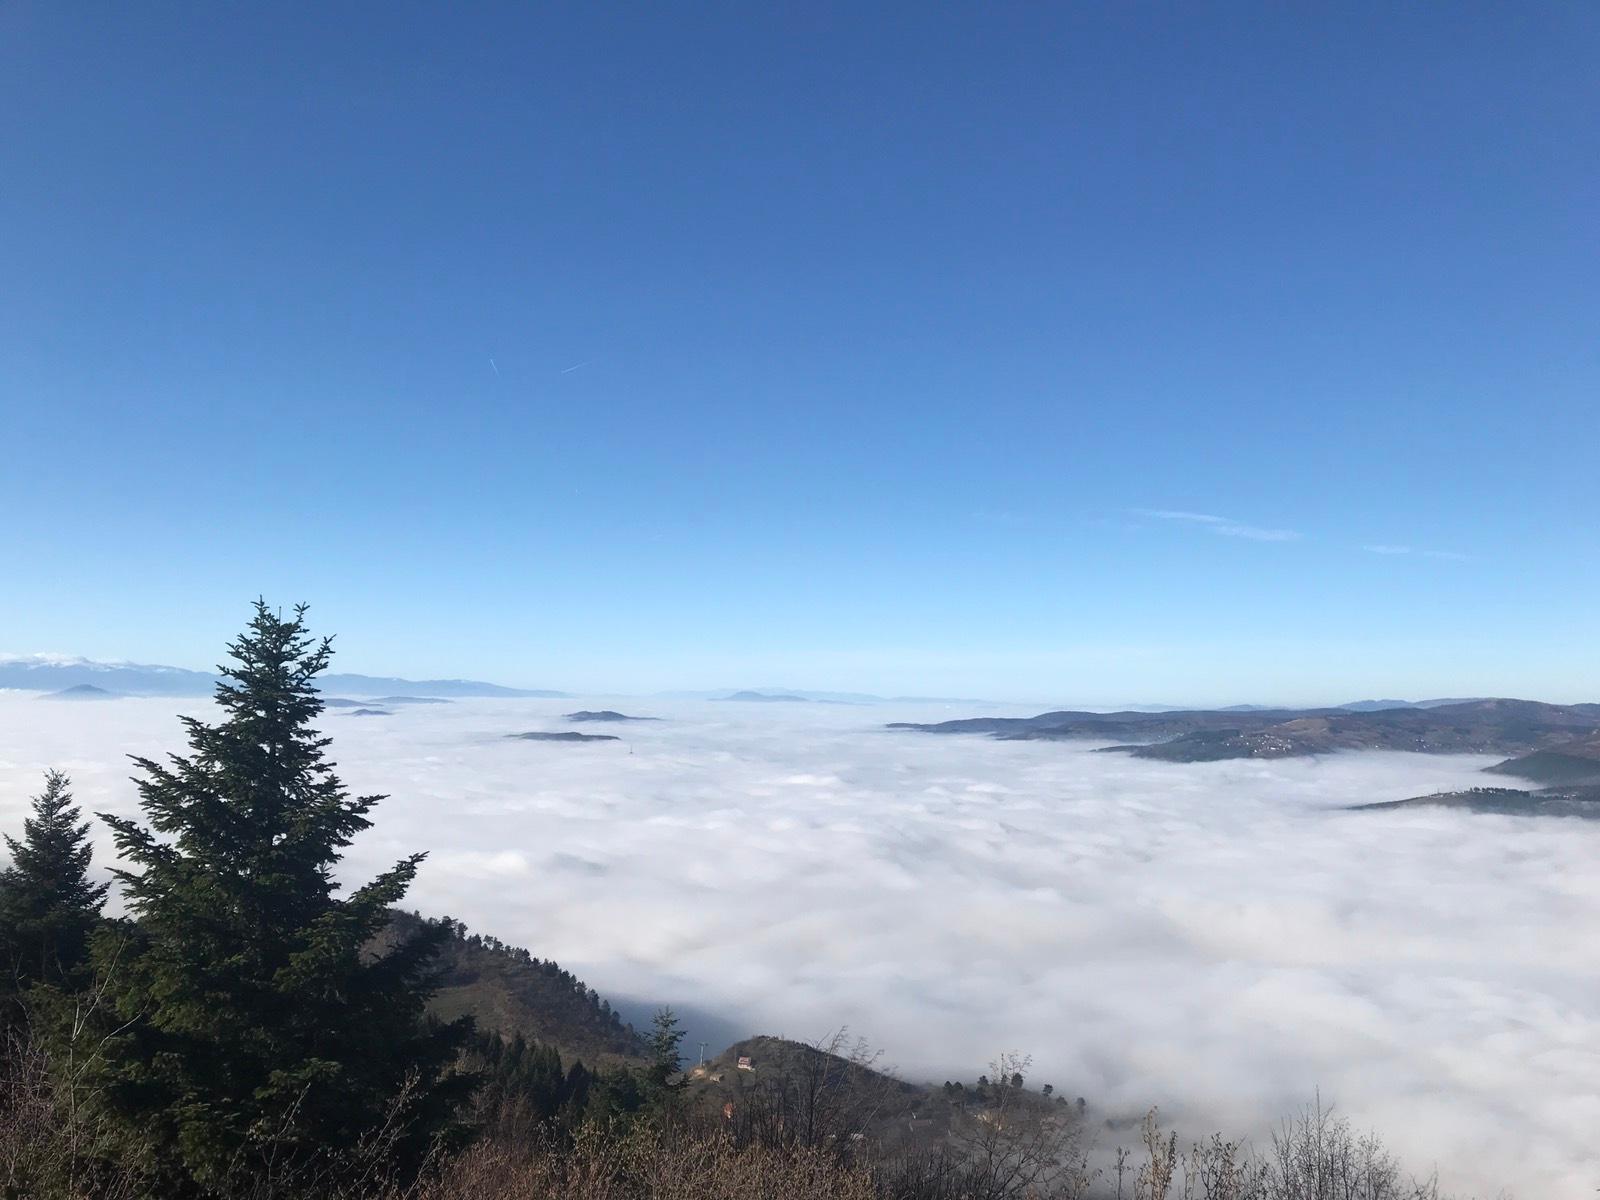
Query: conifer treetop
[(253, 819), (48, 903), (52, 858)]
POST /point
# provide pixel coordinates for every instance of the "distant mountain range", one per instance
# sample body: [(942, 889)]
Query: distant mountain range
[(43, 673), (1380, 705), (425, 689), (791, 694), (1514, 727), (1353, 706), (52, 673), (1555, 746)]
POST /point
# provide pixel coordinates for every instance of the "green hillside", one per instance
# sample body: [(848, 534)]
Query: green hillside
[(505, 989)]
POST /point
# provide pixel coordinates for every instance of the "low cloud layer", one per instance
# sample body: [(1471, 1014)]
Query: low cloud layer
[(1221, 939)]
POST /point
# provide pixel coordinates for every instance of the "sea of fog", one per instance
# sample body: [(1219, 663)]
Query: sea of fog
[(1221, 939)]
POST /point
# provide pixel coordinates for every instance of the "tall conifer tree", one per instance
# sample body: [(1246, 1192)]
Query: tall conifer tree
[(257, 1033), (48, 905)]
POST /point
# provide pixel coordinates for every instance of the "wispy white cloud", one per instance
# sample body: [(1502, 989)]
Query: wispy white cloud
[(1446, 555), (1223, 526)]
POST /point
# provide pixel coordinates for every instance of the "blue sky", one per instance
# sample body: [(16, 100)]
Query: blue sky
[(674, 346)]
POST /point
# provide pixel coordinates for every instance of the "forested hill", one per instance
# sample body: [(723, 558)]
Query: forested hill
[(505, 989), (1491, 726)]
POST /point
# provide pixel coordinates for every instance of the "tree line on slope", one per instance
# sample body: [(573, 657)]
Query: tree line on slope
[(511, 991)]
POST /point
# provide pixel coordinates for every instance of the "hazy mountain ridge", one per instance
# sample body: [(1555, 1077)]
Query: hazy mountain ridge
[(1569, 771), (1574, 762), (1581, 802), (81, 691), (563, 736), (1503, 726), (47, 673), (728, 693)]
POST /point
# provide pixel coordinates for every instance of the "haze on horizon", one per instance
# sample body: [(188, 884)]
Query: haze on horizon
[(103, 677)]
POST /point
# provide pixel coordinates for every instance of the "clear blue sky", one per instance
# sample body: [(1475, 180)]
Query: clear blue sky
[(845, 346)]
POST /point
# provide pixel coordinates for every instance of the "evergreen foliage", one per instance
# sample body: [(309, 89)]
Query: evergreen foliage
[(250, 1035), (666, 1059), (507, 988), (48, 905), (531, 1075), (530, 1079)]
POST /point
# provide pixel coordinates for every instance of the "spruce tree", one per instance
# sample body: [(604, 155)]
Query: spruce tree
[(662, 1079), (257, 1032), (666, 1059), (48, 906)]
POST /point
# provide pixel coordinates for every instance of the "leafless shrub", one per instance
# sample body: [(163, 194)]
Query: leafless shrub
[(828, 1095), (273, 1164), (1318, 1156), (1161, 1163), (644, 1165), (48, 1145), (1219, 1170), (1315, 1155), (54, 1142), (1015, 1145)]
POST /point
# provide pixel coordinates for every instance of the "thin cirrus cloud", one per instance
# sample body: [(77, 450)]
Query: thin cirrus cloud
[(1222, 526), (1227, 527), (1391, 551)]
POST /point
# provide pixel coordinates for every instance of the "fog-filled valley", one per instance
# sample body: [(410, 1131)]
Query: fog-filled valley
[(1220, 939)]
